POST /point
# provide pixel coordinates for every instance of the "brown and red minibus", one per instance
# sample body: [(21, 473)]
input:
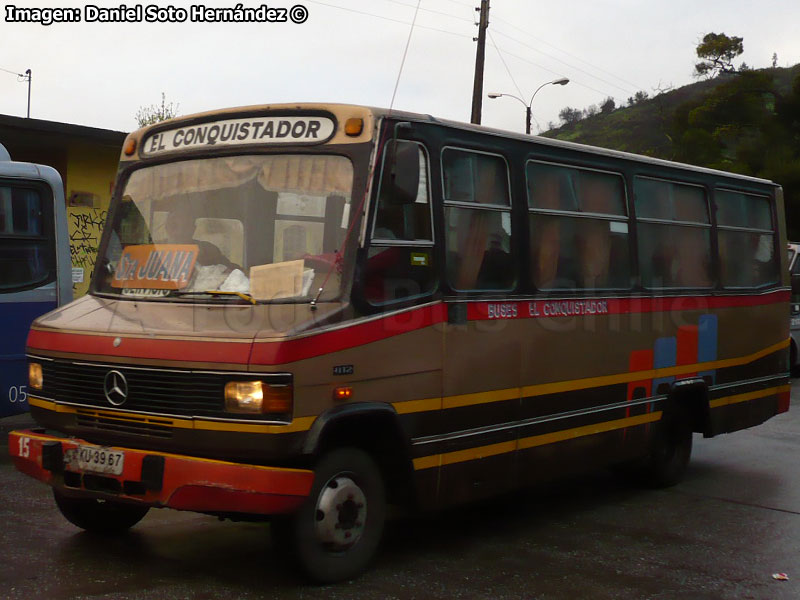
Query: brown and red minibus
[(306, 312)]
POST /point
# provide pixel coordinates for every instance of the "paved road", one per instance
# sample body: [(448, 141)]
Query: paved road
[(722, 533)]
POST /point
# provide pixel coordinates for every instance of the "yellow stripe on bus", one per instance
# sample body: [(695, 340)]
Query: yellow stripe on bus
[(716, 403), (437, 460), (299, 424), (542, 389), (458, 456)]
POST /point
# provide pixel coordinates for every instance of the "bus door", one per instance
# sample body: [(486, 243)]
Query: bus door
[(34, 267), (482, 342), (399, 277)]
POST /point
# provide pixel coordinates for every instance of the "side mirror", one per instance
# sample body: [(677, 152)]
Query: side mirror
[(400, 172)]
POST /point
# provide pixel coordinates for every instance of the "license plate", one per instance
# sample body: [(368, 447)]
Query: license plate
[(795, 322), (98, 460)]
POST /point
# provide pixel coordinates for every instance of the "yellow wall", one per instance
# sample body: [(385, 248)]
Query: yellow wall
[(90, 169)]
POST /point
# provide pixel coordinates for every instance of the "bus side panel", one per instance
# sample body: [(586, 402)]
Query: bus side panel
[(63, 254), (481, 390), (17, 312)]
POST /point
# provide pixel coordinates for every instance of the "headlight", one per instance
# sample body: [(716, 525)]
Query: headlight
[(35, 377), (257, 397)]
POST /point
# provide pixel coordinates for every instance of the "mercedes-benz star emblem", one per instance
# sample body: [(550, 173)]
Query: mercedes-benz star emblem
[(115, 387)]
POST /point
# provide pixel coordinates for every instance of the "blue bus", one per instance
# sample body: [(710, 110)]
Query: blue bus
[(34, 265)]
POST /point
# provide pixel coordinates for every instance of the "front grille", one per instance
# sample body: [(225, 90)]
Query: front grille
[(176, 392), (153, 427)]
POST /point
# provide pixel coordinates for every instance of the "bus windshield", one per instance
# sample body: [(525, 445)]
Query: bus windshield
[(260, 227)]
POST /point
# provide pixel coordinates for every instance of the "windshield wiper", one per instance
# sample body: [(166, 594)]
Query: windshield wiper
[(242, 295)]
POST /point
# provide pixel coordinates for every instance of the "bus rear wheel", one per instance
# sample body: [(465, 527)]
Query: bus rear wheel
[(336, 532), (99, 516), (670, 451)]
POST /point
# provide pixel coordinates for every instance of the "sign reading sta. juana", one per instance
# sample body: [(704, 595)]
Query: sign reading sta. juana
[(150, 266), (240, 132)]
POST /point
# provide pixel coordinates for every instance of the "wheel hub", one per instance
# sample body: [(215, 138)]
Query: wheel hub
[(341, 513)]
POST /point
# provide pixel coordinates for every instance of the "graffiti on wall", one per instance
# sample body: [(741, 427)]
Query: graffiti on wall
[(85, 227)]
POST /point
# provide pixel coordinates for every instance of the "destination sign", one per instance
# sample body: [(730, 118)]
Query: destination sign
[(240, 132), (155, 266)]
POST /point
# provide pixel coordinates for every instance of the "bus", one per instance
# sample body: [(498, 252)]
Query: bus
[(305, 313), (794, 325), (34, 266)]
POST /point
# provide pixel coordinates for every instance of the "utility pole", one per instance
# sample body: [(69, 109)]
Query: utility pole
[(28, 75), (477, 89)]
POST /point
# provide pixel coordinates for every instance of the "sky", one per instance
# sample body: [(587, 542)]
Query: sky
[(100, 74)]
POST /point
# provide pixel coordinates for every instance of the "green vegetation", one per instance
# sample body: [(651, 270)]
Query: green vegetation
[(747, 122), (149, 115), (717, 52)]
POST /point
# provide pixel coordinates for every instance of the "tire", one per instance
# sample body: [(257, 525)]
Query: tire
[(99, 516), (336, 532), (670, 451)]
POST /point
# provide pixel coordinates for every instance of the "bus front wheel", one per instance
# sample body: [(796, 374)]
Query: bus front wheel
[(336, 532), (99, 516)]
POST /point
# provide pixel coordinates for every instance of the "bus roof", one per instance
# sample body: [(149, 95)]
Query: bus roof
[(377, 113)]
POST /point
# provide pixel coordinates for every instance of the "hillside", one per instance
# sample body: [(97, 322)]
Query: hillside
[(746, 123)]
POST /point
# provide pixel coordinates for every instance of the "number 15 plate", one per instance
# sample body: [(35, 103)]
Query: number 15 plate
[(98, 460)]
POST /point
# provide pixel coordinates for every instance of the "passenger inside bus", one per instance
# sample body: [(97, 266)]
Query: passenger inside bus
[(482, 258), (545, 192), (180, 227), (597, 195)]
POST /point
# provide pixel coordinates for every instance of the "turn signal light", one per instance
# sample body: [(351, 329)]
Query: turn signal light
[(35, 376), (130, 146), (343, 393), (257, 397), (354, 127)]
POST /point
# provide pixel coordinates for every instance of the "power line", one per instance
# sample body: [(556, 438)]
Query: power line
[(405, 53), (634, 85), (585, 72), (369, 14), (500, 54), (588, 87), (430, 10), (17, 73), (468, 4)]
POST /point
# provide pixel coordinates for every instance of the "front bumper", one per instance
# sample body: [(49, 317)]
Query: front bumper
[(163, 480)]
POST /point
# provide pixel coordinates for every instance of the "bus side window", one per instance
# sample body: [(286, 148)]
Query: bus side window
[(28, 253), (400, 259), (478, 221), (746, 243), (579, 228), (674, 234)]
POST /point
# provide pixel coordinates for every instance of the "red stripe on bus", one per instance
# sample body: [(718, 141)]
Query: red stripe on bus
[(274, 353), (343, 338), (160, 349), (640, 360), (260, 353), (578, 307), (784, 398), (687, 347)]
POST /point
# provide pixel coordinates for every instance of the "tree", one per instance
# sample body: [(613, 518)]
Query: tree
[(147, 115), (717, 52), (570, 115), (591, 111), (607, 105), (638, 98)]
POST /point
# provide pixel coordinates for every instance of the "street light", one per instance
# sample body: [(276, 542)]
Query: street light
[(562, 81)]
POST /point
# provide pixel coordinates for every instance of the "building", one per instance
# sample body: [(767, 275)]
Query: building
[(86, 158)]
